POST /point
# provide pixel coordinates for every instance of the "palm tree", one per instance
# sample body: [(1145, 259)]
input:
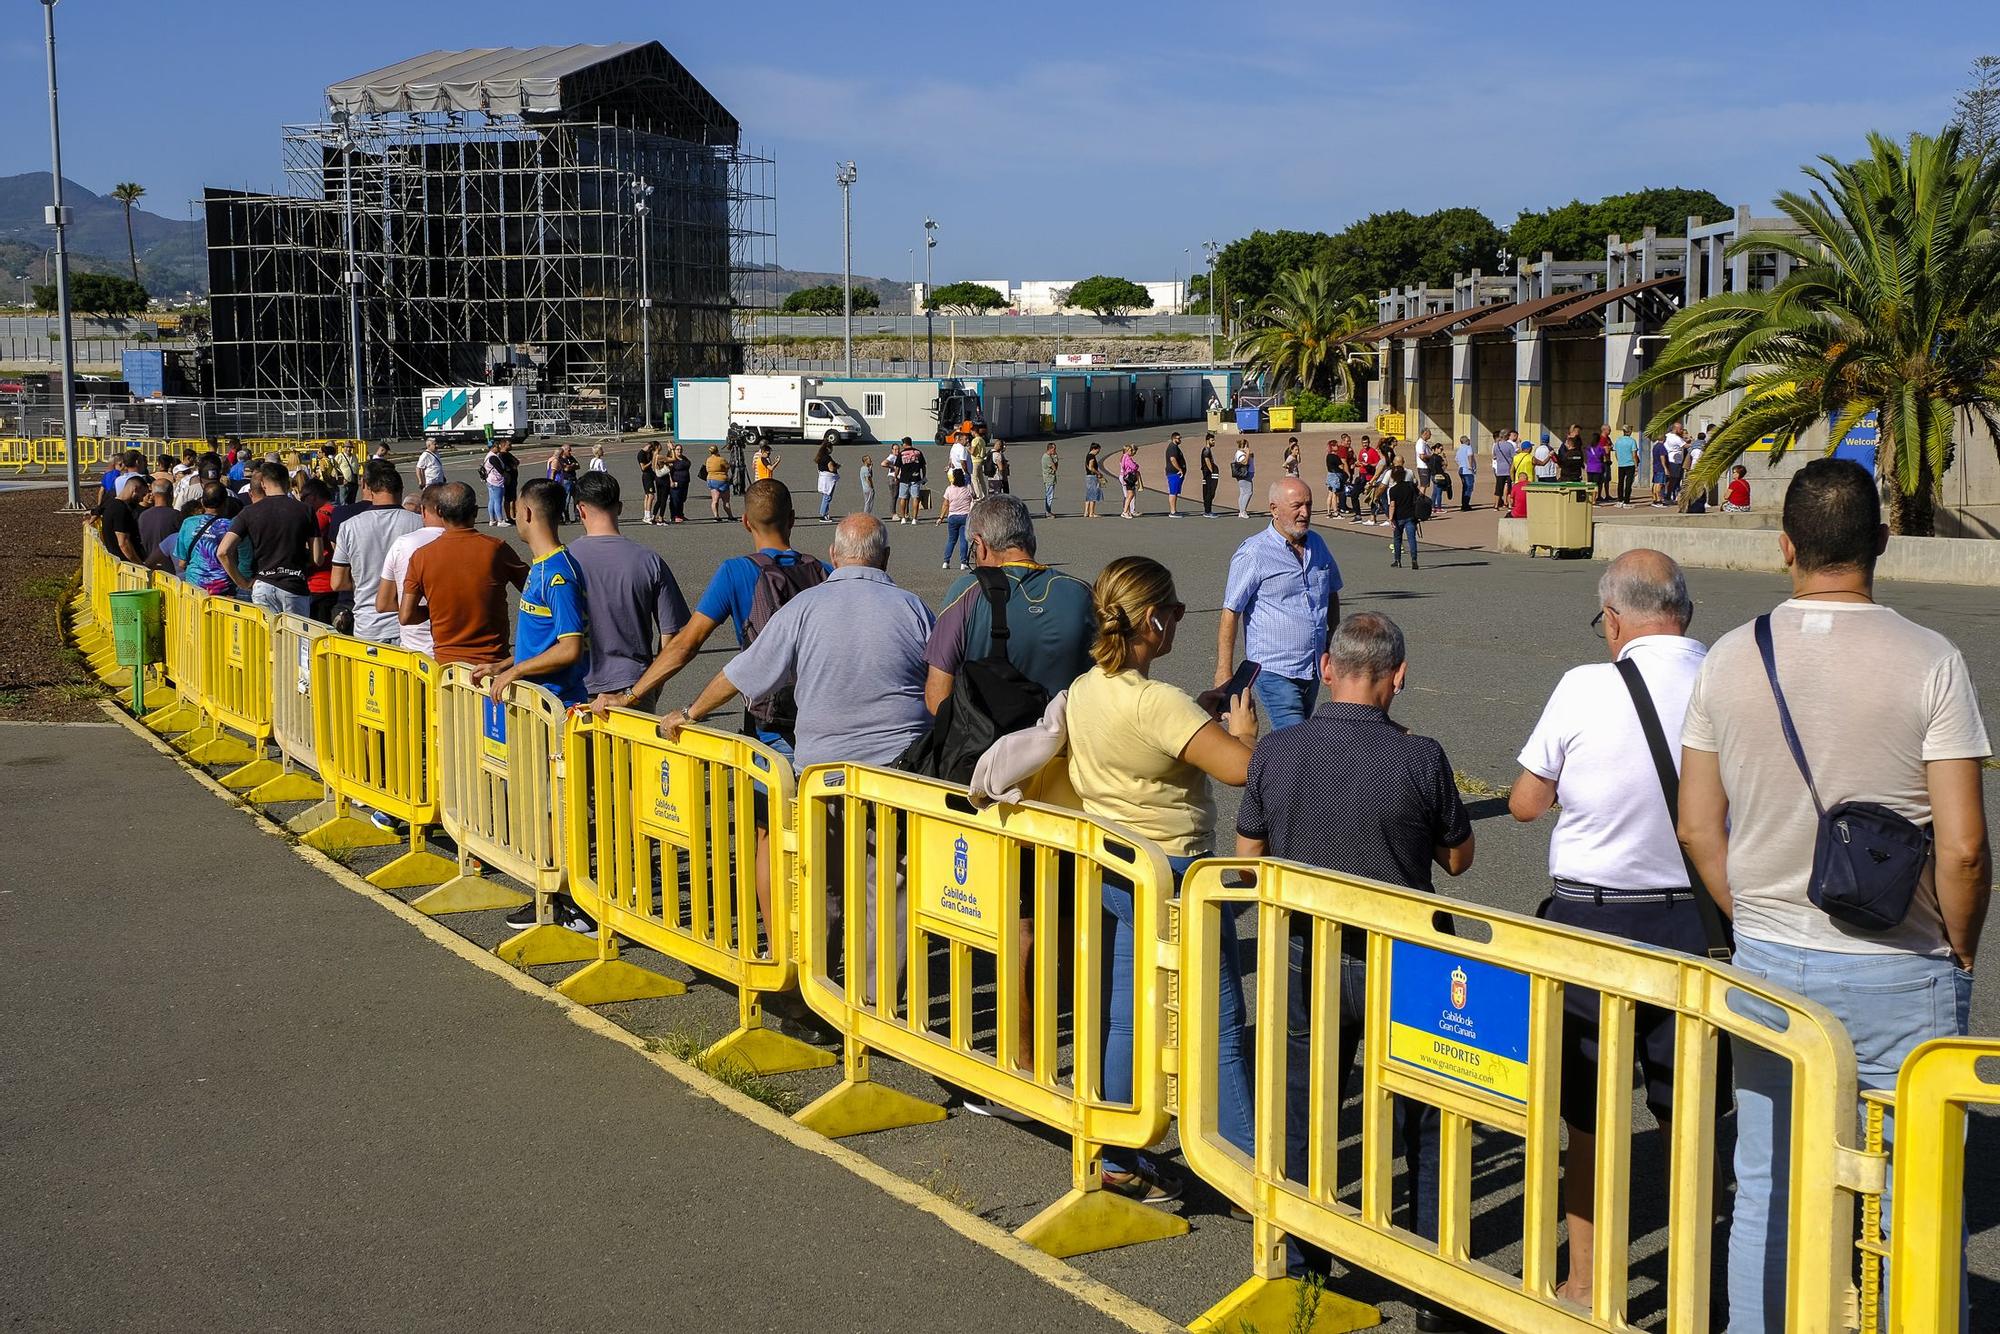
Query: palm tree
[(1893, 308), (1302, 334), (129, 193)]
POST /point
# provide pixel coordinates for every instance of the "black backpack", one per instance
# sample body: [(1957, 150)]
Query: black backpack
[(778, 582), (989, 699)]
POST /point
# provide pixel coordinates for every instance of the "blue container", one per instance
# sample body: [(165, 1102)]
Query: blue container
[(1249, 420)]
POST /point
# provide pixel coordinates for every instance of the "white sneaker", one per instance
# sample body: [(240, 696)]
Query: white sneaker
[(945, 566)]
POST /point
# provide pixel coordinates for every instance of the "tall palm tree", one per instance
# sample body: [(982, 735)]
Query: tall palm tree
[(129, 193), (1893, 308), (1302, 334)]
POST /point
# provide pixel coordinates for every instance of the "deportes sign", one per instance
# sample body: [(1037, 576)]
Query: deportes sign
[(1459, 1020)]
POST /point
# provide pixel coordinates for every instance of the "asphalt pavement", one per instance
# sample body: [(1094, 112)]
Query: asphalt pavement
[(238, 1096)]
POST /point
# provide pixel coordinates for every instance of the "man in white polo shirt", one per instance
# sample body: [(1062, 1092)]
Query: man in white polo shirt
[(1613, 856), (396, 564)]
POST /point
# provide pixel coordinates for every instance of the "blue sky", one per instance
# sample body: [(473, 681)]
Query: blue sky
[(1060, 140)]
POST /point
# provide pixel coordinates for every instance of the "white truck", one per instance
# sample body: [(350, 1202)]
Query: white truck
[(463, 412), (769, 406)]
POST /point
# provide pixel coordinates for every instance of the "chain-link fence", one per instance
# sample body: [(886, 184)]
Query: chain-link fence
[(299, 419)]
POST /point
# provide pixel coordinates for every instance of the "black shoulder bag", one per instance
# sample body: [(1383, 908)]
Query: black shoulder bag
[(990, 698), (1867, 859), (1713, 927)]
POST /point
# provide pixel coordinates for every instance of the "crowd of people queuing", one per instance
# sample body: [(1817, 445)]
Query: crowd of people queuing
[(1691, 782)]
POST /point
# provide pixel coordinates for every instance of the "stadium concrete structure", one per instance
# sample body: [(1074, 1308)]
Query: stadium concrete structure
[(488, 211)]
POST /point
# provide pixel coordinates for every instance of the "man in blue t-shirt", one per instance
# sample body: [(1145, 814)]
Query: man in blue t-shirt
[(1626, 449), (767, 515), (549, 633)]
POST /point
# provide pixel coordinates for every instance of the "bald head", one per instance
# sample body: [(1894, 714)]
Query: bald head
[(1643, 592), (860, 540), (1291, 508)]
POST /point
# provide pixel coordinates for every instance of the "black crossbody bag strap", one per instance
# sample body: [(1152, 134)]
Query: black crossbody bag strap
[(996, 588), (1712, 926), (1768, 653)]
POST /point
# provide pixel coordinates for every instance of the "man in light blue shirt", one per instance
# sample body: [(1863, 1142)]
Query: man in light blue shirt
[(1626, 450), (1284, 590)]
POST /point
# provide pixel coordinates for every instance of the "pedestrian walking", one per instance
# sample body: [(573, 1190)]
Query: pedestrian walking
[(1402, 497), (1093, 480), (1772, 750), (1283, 591), (952, 514), (1602, 749), (715, 472)]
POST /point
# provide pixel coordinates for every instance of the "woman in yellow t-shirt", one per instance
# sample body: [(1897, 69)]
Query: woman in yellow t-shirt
[(1141, 753)]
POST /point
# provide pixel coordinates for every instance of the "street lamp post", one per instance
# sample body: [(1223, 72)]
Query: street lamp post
[(58, 217), (1209, 248), (642, 191), (912, 253), (846, 176), (352, 278), (930, 338)]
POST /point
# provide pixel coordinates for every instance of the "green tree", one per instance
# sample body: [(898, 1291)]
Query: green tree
[(1399, 248), (1248, 267), (1106, 296), (1894, 309), (825, 300), (1978, 108), (129, 193), (1576, 230), (966, 299), (97, 293), (1302, 335)]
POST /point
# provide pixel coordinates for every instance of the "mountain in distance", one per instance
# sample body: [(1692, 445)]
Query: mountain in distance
[(773, 283), (173, 256)]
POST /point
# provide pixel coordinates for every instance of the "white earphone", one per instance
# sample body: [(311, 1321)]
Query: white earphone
[(1157, 626)]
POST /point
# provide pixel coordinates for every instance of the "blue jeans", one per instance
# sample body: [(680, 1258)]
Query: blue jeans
[(1404, 527), (496, 503), (1889, 1004), (1232, 1066), (274, 599), (1049, 500), (1416, 1123), (826, 502), (1437, 490), (954, 536), (1284, 700), (1465, 490)]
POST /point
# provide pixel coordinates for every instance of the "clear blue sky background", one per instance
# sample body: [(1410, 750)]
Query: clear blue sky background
[(1056, 141)]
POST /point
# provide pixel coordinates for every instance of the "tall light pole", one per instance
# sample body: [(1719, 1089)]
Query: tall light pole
[(1209, 248), (352, 278), (642, 191), (912, 252), (846, 177), (930, 339), (58, 218)]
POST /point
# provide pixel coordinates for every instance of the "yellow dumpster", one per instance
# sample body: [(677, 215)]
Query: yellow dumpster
[(1285, 418), (1559, 518)]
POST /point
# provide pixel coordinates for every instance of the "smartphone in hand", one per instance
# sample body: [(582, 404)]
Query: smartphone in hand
[(1216, 701)]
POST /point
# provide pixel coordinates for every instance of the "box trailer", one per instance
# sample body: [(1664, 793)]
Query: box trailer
[(463, 412), (777, 406)]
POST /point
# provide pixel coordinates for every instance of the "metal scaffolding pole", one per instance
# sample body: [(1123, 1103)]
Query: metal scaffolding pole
[(641, 193)]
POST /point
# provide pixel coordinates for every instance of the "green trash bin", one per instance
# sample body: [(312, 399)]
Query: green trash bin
[(139, 627)]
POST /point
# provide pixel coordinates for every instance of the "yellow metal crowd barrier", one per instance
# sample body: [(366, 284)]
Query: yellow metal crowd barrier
[(291, 778), (500, 791), (1470, 1023), (974, 877), (182, 712), (375, 735), (664, 849), (235, 685)]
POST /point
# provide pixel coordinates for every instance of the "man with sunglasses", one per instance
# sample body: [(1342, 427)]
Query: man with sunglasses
[(1284, 591)]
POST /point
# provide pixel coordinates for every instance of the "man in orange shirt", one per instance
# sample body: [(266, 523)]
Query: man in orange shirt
[(459, 583)]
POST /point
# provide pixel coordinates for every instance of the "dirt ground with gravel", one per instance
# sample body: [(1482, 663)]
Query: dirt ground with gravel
[(41, 678)]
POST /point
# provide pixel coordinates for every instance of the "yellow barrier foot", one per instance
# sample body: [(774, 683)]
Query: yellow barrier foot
[(254, 774), (1276, 1303), (764, 1052), (546, 944), (413, 870), (179, 716), (468, 893), (291, 785), (1097, 1220), (189, 741), (610, 980), (223, 750), (859, 1107), (347, 832)]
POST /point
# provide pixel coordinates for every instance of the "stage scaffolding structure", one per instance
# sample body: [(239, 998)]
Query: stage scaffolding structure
[(499, 245)]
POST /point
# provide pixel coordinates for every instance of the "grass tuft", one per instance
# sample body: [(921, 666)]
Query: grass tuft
[(1475, 787), (47, 588), (77, 692), (942, 1183), (693, 1049)]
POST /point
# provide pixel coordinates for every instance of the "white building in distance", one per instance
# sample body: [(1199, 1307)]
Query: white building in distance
[(1039, 296)]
